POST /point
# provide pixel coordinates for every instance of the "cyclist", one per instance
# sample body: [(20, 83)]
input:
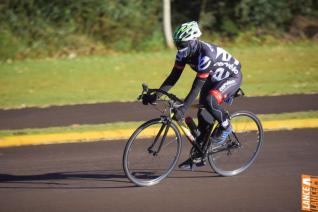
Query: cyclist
[(218, 78)]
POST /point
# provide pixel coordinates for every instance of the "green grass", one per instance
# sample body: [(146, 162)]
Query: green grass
[(134, 125), (271, 70)]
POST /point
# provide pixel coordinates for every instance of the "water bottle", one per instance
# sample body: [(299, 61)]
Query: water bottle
[(193, 128)]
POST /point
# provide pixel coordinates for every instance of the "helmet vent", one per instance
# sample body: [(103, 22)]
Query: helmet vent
[(187, 31)]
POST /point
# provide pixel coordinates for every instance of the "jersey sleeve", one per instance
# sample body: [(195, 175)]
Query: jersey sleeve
[(180, 60), (195, 90), (173, 77), (204, 66)]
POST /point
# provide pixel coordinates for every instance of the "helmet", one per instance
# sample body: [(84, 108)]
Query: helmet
[(187, 31), (185, 38)]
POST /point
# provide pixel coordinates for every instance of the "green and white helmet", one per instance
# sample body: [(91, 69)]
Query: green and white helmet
[(187, 31)]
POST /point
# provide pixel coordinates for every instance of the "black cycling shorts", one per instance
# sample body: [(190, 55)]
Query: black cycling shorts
[(222, 90)]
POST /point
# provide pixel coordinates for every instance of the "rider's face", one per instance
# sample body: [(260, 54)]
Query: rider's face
[(187, 48), (183, 48), (182, 44)]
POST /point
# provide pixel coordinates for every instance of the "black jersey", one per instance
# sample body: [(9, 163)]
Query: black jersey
[(210, 59), (219, 71)]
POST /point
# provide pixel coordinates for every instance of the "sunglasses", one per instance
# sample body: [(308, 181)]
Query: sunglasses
[(182, 44)]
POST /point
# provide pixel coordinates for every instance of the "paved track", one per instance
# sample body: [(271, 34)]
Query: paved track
[(89, 177), (135, 111)]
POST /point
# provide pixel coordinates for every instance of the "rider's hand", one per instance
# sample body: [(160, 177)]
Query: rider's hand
[(149, 98), (179, 114)]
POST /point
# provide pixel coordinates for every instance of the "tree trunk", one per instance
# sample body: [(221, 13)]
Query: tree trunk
[(167, 23)]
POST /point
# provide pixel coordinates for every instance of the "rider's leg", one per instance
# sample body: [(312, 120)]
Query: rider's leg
[(205, 119), (214, 100), (205, 122), (223, 89), (214, 107)]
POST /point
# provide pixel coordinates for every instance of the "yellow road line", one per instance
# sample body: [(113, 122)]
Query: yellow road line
[(55, 138)]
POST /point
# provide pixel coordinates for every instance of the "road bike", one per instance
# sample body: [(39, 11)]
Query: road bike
[(153, 150)]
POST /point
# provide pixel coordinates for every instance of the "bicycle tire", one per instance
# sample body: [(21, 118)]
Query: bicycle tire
[(246, 127), (141, 166)]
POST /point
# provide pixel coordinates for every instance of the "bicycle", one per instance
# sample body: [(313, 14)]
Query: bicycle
[(152, 151)]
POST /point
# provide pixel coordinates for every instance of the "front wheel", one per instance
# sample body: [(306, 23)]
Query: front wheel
[(152, 152), (241, 147)]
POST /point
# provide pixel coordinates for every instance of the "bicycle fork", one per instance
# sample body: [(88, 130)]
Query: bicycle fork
[(165, 126)]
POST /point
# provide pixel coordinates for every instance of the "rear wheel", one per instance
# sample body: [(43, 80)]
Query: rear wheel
[(152, 152), (241, 147)]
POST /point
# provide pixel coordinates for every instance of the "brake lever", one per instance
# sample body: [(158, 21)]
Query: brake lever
[(145, 88), (140, 97)]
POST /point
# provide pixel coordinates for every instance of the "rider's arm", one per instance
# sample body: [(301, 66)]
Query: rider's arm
[(173, 77), (204, 67), (196, 87)]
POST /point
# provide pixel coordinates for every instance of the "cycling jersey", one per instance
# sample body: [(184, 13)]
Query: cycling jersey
[(209, 59), (214, 66)]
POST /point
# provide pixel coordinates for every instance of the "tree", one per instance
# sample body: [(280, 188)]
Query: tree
[(167, 23)]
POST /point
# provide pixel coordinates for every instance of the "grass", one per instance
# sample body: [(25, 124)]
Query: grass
[(134, 125), (270, 70)]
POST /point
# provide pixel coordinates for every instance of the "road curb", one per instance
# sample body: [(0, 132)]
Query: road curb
[(123, 134)]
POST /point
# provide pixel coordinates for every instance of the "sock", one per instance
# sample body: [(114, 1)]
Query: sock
[(225, 123)]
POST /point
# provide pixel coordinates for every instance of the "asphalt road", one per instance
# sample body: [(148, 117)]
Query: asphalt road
[(89, 177), (135, 111)]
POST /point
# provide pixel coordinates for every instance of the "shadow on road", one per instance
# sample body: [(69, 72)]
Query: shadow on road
[(179, 174), (100, 179), (66, 180)]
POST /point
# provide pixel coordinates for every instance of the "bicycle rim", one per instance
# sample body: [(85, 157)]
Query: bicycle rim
[(241, 148), (142, 166)]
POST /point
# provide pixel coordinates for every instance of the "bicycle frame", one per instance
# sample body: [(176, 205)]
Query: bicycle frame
[(168, 118), (186, 131), (190, 137)]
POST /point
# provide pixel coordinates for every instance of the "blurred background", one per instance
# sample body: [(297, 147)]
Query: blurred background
[(65, 52), (59, 28), (71, 71)]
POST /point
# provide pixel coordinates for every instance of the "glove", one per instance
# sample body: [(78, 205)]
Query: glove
[(149, 99), (179, 114)]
